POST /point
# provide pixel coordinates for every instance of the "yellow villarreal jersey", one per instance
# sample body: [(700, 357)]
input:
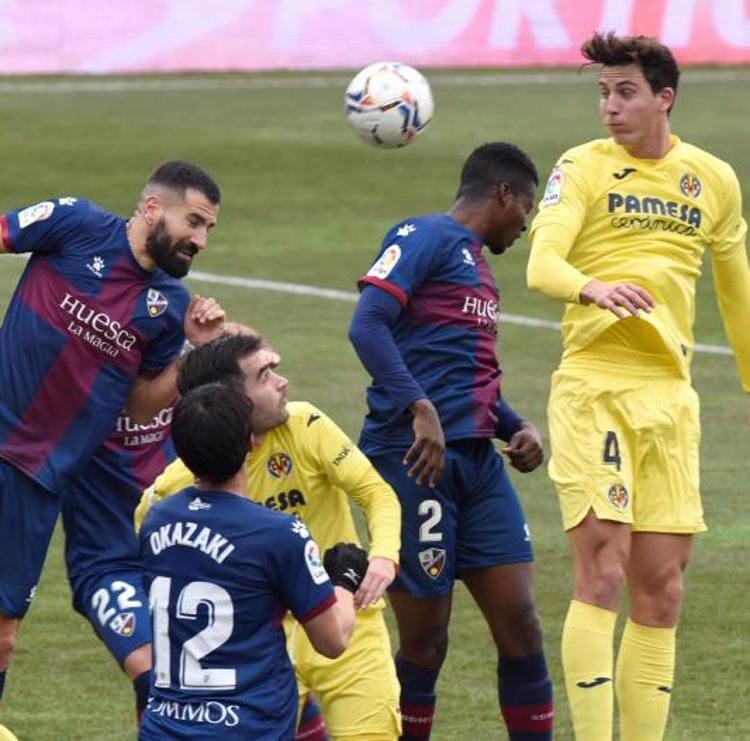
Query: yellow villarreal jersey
[(616, 218), (306, 467)]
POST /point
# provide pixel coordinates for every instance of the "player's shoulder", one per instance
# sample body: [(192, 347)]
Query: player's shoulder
[(419, 230), (173, 478), (303, 414), (583, 155), (281, 529), (709, 164), (60, 209), (92, 216)]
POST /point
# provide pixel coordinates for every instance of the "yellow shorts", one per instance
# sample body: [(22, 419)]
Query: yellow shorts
[(626, 445), (358, 692)]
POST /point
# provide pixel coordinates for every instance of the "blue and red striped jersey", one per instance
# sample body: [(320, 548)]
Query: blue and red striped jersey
[(84, 321), (98, 509), (446, 333)]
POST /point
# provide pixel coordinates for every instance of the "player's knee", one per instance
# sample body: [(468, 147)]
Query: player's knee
[(427, 650), (518, 631), (529, 629), (658, 602), (602, 582)]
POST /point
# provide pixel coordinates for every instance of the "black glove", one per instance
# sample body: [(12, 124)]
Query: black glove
[(346, 564)]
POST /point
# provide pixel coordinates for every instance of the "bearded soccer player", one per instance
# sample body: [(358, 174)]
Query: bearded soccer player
[(425, 328), (303, 464), (221, 571), (95, 325), (619, 238)]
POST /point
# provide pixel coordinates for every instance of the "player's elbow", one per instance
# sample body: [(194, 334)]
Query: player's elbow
[(332, 647), (534, 276), (357, 334), (331, 631)]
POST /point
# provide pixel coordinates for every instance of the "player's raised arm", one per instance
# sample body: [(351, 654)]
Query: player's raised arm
[(204, 321)]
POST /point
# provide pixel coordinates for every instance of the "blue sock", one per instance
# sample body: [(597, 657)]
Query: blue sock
[(417, 698), (525, 693), (2, 684)]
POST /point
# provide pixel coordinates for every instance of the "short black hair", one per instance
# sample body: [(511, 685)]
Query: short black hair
[(180, 176), (211, 430), (654, 59), (495, 163), (216, 361)]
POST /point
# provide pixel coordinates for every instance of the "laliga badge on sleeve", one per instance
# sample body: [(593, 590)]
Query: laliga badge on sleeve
[(386, 262), (553, 191), (314, 564), (32, 214)]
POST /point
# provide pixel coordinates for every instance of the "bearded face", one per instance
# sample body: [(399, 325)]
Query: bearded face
[(174, 257)]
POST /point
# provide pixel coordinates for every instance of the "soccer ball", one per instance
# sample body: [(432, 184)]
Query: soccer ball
[(388, 104)]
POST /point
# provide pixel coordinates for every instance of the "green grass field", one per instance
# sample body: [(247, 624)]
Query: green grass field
[(306, 202)]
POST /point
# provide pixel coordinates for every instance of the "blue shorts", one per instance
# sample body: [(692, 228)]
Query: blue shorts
[(27, 520), (116, 605), (471, 520)]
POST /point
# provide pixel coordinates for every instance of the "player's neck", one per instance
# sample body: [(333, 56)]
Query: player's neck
[(137, 231), (471, 215), (652, 147), (236, 485)]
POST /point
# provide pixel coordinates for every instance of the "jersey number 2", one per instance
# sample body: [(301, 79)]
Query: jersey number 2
[(218, 604), (434, 510)]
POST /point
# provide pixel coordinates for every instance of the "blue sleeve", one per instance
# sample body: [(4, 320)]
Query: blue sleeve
[(167, 345), (370, 334), (508, 422), (405, 260), (43, 227), (301, 578)]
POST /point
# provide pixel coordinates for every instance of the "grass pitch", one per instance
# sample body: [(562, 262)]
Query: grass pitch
[(306, 202)]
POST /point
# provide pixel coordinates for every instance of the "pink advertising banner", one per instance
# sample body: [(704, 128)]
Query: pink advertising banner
[(109, 36)]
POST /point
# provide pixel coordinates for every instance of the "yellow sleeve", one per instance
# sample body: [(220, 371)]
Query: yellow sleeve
[(732, 279), (347, 467), (175, 477), (561, 215)]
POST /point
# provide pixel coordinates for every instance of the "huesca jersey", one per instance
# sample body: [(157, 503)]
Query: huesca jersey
[(84, 321)]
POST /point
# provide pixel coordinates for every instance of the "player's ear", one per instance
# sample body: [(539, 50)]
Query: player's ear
[(503, 194), (152, 208), (666, 98)]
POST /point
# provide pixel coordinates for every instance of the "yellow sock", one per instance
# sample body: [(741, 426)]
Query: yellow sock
[(587, 658), (645, 670)]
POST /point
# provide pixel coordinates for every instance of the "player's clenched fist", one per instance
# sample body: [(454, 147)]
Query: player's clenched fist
[(346, 564)]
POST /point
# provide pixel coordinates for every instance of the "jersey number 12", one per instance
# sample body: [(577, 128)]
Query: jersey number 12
[(218, 604)]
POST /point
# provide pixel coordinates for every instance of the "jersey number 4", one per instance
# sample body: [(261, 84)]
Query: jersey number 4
[(218, 604), (612, 450)]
